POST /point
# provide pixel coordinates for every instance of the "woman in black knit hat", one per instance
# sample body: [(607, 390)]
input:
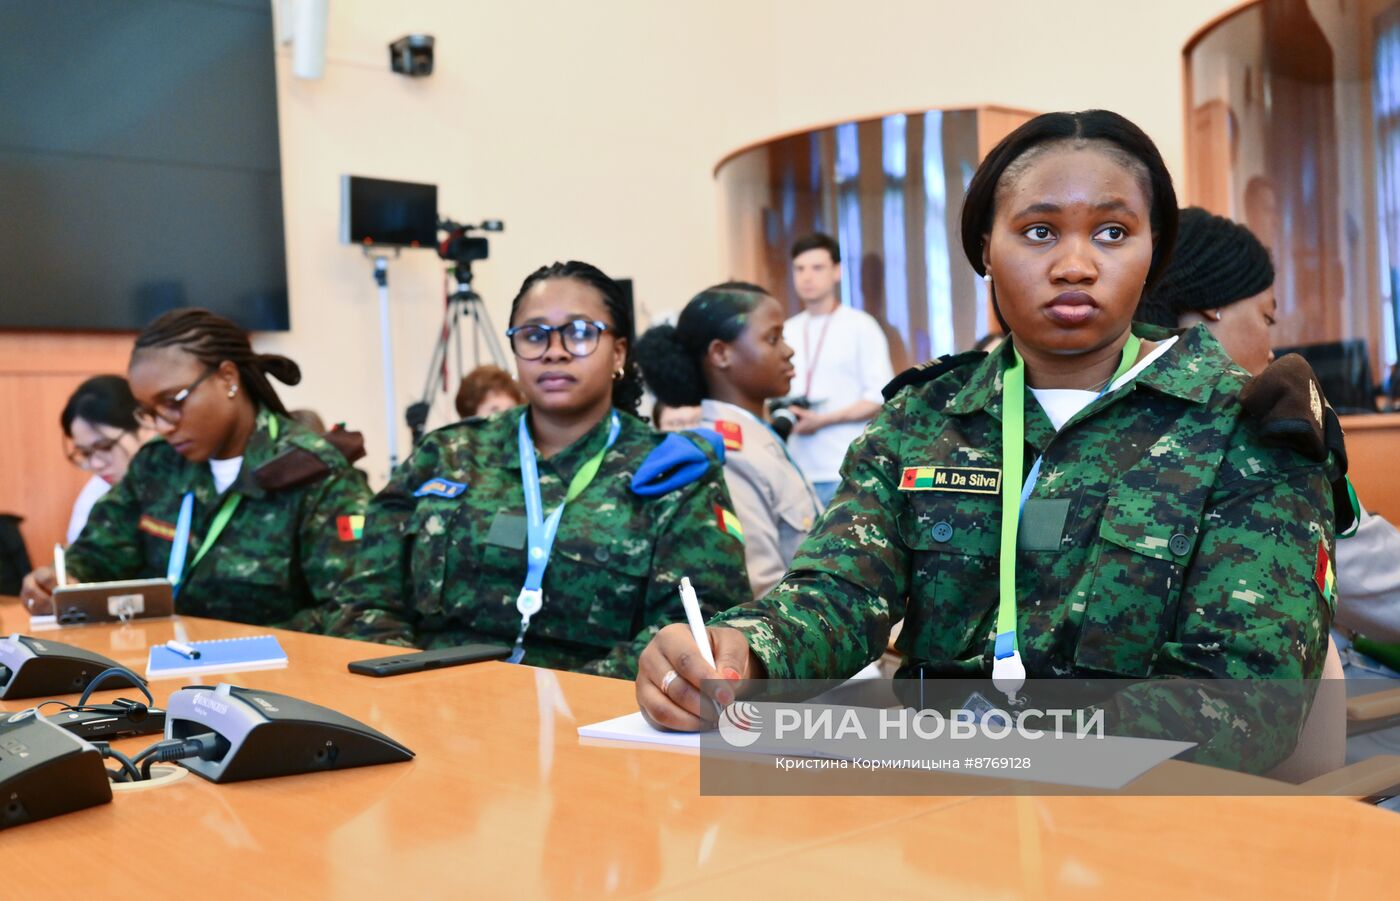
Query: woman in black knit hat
[(1219, 275)]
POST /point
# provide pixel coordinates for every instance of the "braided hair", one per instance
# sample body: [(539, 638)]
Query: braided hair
[(1216, 263), (212, 339), (627, 391), (671, 356)]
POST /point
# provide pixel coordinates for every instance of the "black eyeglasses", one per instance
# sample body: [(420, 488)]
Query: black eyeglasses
[(169, 411), (107, 447), (579, 338)]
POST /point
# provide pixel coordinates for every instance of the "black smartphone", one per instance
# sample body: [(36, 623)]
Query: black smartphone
[(418, 661)]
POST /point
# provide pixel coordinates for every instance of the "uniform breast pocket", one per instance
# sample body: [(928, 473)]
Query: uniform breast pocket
[(794, 522), (595, 590), (953, 541), (1145, 542), (434, 531)]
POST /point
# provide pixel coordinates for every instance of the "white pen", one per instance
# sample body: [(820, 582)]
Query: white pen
[(183, 649), (697, 623), (60, 565)]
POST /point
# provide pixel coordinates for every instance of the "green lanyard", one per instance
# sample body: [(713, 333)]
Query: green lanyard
[(176, 570), (1008, 672)]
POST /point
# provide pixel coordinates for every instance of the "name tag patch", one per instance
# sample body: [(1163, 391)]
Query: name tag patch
[(440, 488), (963, 479), (152, 526)]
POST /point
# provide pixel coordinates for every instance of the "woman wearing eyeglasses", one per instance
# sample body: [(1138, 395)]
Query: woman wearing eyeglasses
[(563, 528), (252, 516), (99, 423)]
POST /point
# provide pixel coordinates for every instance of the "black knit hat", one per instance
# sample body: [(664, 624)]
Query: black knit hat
[(1216, 263)]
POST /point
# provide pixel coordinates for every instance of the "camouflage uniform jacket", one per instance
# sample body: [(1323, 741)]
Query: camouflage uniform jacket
[(1162, 539), (282, 554), (440, 570)]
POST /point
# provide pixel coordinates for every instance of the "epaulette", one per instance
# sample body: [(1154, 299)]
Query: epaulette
[(1285, 406), (680, 459), (309, 458), (927, 372)]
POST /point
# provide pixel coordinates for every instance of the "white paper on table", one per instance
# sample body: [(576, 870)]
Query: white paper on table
[(1108, 763), (633, 727)]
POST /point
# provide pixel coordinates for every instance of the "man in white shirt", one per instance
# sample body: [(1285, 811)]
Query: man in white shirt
[(842, 361)]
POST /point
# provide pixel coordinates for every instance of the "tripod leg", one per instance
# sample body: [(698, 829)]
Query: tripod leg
[(386, 344)]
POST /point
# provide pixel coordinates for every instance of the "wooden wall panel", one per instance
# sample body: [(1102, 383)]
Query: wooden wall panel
[(1372, 444), (38, 372)]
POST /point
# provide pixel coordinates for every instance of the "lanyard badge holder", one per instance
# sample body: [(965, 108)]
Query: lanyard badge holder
[(540, 531), (1008, 671)]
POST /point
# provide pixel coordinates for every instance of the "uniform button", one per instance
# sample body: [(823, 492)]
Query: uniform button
[(942, 531), (601, 555), (1180, 545)]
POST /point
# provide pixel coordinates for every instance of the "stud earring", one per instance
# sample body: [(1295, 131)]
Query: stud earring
[(232, 390)]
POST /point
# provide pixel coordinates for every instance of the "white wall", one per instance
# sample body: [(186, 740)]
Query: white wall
[(593, 128)]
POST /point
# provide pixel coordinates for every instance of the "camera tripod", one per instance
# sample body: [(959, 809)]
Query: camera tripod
[(464, 303)]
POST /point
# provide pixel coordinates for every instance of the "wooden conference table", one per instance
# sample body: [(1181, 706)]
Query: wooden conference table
[(504, 799)]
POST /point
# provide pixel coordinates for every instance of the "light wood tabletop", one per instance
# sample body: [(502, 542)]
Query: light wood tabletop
[(503, 798)]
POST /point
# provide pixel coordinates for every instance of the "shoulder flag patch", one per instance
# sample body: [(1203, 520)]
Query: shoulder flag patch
[(440, 488), (1323, 575), (729, 523), (350, 528), (732, 434), (152, 526)]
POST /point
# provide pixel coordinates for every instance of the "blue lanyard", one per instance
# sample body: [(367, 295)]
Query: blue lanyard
[(541, 531)]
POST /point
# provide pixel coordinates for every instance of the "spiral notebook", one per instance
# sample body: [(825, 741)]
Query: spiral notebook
[(221, 655)]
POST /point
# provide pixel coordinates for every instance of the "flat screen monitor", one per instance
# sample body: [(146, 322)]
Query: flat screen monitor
[(383, 213), (140, 167), (1343, 371)]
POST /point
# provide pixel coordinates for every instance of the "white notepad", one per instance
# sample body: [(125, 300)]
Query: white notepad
[(222, 655), (634, 727)]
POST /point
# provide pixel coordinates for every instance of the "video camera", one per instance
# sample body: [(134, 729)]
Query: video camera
[(781, 416), (460, 247)]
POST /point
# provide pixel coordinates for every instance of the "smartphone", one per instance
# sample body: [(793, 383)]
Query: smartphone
[(418, 661)]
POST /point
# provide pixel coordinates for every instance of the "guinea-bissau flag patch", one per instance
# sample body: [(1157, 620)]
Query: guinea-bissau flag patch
[(1323, 574), (729, 523), (350, 528), (731, 433)]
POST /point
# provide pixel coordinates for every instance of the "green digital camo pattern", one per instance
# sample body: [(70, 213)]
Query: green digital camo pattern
[(1165, 457), (435, 573), (278, 560)]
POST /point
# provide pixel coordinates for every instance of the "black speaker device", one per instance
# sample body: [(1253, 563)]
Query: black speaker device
[(37, 667), (46, 771), (261, 734)]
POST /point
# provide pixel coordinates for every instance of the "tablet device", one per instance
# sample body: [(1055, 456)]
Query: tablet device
[(110, 602), (417, 661)]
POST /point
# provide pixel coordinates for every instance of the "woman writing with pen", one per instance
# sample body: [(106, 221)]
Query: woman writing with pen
[(1087, 501), (253, 517)]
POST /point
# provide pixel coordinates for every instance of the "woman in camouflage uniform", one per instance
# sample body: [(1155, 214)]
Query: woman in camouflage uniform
[(250, 514), (1115, 518), (461, 545)]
